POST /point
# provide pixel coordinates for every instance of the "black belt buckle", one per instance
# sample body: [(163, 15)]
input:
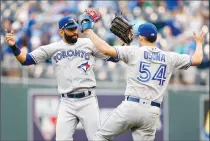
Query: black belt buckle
[(77, 95)]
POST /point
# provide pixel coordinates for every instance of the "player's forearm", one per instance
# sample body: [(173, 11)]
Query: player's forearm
[(20, 56), (197, 57), (23, 58), (100, 44)]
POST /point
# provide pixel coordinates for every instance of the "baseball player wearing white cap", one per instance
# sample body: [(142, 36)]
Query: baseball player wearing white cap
[(73, 59), (149, 70)]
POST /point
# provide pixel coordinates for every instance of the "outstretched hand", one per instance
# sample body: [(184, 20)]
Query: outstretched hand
[(9, 37), (200, 38)]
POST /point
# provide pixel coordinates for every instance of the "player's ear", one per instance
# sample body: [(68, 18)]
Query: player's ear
[(141, 38), (61, 32)]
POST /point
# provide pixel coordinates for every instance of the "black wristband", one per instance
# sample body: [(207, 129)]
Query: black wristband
[(16, 51)]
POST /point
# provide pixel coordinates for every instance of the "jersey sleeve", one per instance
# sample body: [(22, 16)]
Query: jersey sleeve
[(125, 53), (41, 54), (181, 61)]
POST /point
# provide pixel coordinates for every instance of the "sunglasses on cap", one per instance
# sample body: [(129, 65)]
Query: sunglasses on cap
[(71, 25)]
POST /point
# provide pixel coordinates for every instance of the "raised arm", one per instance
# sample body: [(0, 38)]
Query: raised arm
[(100, 44), (197, 57), (88, 18), (23, 58)]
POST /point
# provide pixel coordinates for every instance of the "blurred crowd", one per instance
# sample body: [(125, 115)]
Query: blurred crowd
[(35, 24)]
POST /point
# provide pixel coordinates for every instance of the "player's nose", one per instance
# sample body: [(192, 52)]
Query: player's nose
[(76, 31)]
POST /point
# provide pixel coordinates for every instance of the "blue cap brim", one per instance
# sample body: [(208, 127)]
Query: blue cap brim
[(72, 26)]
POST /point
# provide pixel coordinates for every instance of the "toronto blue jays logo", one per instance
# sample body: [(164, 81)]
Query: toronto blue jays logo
[(84, 66)]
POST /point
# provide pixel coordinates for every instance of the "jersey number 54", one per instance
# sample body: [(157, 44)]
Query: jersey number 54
[(145, 74)]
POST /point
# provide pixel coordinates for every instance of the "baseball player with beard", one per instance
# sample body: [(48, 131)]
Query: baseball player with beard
[(73, 62), (149, 70)]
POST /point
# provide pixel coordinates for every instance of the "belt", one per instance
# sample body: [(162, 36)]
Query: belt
[(77, 95), (138, 100)]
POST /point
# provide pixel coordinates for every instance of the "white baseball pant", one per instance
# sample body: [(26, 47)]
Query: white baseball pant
[(139, 118), (73, 110)]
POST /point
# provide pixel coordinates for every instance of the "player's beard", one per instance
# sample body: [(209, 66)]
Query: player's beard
[(69, 39)]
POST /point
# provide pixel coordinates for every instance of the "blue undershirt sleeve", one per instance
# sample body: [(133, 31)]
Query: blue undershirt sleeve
[(29, 61)]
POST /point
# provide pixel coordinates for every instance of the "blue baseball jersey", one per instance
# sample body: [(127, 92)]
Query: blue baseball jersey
[(73, 64), (150, 69)]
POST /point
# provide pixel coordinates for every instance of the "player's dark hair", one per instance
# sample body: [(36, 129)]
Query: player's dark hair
[(151, 39)]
